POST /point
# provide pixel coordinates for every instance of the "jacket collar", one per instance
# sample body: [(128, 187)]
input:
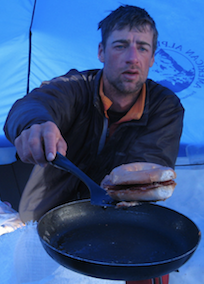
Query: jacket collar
[(141, 119)]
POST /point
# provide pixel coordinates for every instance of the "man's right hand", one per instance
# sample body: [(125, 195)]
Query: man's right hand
[(39, 143)]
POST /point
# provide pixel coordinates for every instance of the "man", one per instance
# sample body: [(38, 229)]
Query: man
[(100, 119)]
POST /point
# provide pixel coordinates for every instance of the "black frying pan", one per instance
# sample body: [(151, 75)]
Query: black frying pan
[(141, 242)]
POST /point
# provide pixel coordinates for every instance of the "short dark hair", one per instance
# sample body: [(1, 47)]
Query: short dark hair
[(131, 16)]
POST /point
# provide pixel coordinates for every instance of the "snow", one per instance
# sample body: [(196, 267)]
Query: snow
[(24, 260)]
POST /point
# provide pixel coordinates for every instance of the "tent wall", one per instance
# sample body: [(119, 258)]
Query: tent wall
[(15, 21)]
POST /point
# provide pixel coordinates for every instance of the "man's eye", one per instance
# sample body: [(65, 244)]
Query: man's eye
[(119, 47), (141, 48)]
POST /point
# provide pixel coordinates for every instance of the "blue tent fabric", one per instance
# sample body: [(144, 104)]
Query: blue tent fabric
[(15, 20), (41, 40)]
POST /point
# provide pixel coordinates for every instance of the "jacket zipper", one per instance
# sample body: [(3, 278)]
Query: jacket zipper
[(103, 135)]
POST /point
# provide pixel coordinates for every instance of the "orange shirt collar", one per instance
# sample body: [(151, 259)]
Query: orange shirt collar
[(136, 110), (107, 103)]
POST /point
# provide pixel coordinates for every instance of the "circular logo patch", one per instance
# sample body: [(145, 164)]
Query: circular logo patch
[(180, 70)]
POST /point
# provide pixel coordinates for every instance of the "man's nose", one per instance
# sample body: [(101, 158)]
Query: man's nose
[(132, 55)]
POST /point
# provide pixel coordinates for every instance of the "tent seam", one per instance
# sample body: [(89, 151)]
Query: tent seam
[(30, 47)]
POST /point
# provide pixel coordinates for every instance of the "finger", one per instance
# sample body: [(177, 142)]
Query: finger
[(50, 142), (62, 146), (52, 138), (36, 144), (22, 148)]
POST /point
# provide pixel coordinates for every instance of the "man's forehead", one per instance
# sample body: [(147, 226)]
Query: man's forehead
[(127, 32)]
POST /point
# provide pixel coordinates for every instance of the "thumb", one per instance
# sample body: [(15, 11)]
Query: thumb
[(50, 157), (61, 146)]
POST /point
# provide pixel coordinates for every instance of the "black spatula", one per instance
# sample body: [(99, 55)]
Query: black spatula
[(98, 195)]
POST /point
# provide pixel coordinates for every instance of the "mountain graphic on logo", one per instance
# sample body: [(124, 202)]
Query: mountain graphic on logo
[(173, 70)]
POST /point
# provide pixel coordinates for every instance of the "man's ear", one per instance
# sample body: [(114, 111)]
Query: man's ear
[(101, 52)]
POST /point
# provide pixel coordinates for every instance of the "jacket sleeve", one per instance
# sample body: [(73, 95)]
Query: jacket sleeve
[(54, 101)]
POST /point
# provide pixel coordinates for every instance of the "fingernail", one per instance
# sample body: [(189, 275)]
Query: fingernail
[(50, 157)]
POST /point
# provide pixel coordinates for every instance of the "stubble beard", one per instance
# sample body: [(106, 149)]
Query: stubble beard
[(125, 88)]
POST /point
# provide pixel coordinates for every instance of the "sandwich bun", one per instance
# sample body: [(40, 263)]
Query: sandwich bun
[(140, 181)]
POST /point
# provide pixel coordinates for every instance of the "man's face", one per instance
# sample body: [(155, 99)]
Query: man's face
[(127, 58)]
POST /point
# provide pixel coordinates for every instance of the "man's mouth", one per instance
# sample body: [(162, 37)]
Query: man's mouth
[(130, 74)]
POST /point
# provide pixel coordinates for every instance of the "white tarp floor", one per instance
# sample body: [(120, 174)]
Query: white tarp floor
[(23, 260)]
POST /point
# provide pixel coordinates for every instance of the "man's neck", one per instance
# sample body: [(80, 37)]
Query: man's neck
[(121, 102)]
